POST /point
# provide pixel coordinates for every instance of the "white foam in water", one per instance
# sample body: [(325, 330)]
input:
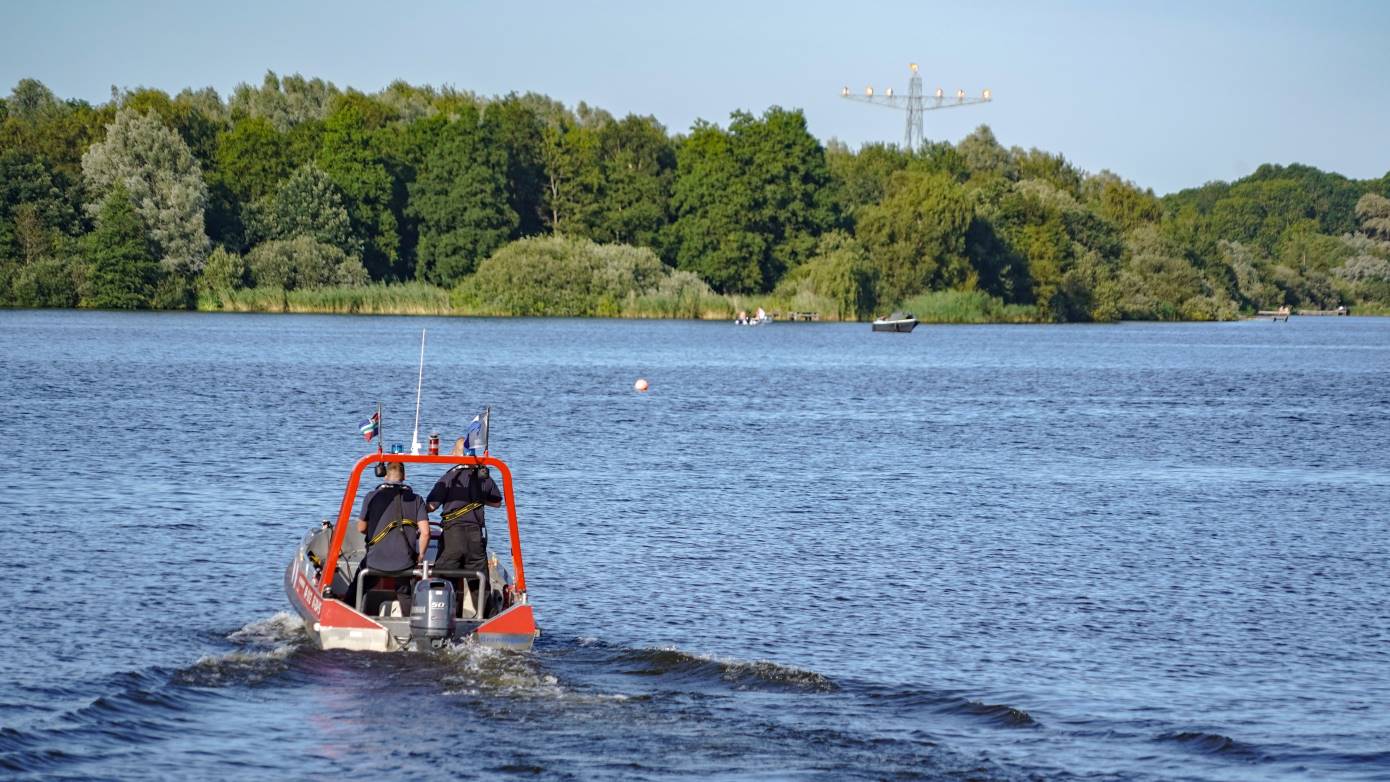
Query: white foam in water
[(282, 628), (485, 671)]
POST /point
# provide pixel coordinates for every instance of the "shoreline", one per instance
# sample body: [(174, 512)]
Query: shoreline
[(460, 313)]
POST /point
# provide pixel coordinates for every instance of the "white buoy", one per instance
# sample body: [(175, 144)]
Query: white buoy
[(641, 384)]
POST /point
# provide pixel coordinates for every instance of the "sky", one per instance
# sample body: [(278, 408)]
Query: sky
[(1167, 94)]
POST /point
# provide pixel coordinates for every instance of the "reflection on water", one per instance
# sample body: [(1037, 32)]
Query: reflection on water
[(810, 551)]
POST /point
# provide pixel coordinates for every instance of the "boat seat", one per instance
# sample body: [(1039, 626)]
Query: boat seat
[(349, 561)]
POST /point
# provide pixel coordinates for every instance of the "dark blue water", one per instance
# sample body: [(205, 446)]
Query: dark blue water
[(1114, 552)]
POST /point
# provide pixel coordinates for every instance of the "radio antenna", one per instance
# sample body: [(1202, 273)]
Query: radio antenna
[(419, 382)]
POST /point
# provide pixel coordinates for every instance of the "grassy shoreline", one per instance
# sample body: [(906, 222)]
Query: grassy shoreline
[(415, 298)]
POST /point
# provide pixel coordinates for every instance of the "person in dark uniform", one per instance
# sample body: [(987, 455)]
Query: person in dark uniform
[(463, 491), (395, 523)]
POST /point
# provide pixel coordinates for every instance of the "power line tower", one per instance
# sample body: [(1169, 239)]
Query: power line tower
[(915, 103)]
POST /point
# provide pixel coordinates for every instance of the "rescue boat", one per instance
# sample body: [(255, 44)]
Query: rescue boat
[(342, 609)]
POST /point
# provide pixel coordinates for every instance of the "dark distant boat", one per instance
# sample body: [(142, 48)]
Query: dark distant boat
[(328, 586), (899, 321)]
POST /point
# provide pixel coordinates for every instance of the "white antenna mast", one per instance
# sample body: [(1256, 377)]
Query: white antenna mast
[(419, 381)]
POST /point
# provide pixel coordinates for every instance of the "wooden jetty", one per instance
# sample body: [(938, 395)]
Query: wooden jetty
[(803, 316), (1283, 313)]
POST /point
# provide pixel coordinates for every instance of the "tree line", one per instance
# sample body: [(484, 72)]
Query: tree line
[(152, 200)]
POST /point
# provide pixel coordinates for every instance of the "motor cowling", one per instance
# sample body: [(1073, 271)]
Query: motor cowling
[(432, 610)]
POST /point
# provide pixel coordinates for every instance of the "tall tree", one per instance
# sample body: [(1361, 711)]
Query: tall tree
[(286, 102), (638, 166), (459, 198), (309, 204), (350, 155), (985, 156), (520, 131), (1374, 213), (713, 231), (573, 177), (859, 179), (32, 208), (163, 180), (253, 158), (123, 271), (916, 236), (750, 204)]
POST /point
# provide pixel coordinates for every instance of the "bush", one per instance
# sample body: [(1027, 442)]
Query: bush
[(303, 262), (174, 291), (577, 277), (968, 307), (224, 270), (46, 282)]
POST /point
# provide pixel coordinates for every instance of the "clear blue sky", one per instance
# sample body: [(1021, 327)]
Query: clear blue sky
[(1169, 94)]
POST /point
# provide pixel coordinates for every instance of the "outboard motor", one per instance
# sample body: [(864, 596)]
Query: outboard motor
[(432, 612)]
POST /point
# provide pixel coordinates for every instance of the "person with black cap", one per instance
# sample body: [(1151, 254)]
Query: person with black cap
[(463, 492)]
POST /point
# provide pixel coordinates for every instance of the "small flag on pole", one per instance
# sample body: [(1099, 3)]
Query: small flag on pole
[(475, 437), (370, 427)]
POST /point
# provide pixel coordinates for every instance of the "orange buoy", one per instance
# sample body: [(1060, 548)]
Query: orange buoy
[(641, 384)]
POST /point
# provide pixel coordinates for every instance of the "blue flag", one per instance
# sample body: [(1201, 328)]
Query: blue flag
[(473, 435)]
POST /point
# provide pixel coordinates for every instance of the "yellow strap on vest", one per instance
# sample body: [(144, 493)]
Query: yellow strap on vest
[(456, 512), (382, 534)]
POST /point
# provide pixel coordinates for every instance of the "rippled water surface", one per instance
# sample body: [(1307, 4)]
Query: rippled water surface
[(1107, 552)]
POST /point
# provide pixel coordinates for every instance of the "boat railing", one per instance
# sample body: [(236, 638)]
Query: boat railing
[(345, 510), (479, 604)]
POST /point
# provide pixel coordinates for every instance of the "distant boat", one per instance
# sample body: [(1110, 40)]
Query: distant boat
[(759, 318), (902, 322)]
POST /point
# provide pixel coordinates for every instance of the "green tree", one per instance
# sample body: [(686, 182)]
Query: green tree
[(224, 271), (55, 132), (1373, 212), (197, 116), (162, 179), (460, 199), (713, 233), (520, 131), (638, 165), (286, 102), (860, 179), (916, 235), (33, 211), (985, 156), (308, 203), (840, 271), (1122, 202), (351, 156), (253, 158), (123, 271), (750, 203), (573, 177)]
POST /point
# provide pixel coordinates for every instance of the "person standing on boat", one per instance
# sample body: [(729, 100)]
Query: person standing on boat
[(395, 523), (463, 492)]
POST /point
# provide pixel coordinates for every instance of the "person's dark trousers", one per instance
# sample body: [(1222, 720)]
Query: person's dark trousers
[(464, 548)]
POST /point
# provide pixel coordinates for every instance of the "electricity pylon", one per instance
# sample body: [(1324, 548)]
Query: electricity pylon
[(915, 103)]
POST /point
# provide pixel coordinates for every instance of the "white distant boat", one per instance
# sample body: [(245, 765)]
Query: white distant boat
[(759, 318), (901, 322)]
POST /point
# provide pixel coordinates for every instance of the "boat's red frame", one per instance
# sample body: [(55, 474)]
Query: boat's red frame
[(345, 512)]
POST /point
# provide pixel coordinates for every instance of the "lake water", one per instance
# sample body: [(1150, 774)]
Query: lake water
[(1139, 551)]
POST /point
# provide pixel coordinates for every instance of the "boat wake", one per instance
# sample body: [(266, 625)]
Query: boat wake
[(264, 650), (741, 675)]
